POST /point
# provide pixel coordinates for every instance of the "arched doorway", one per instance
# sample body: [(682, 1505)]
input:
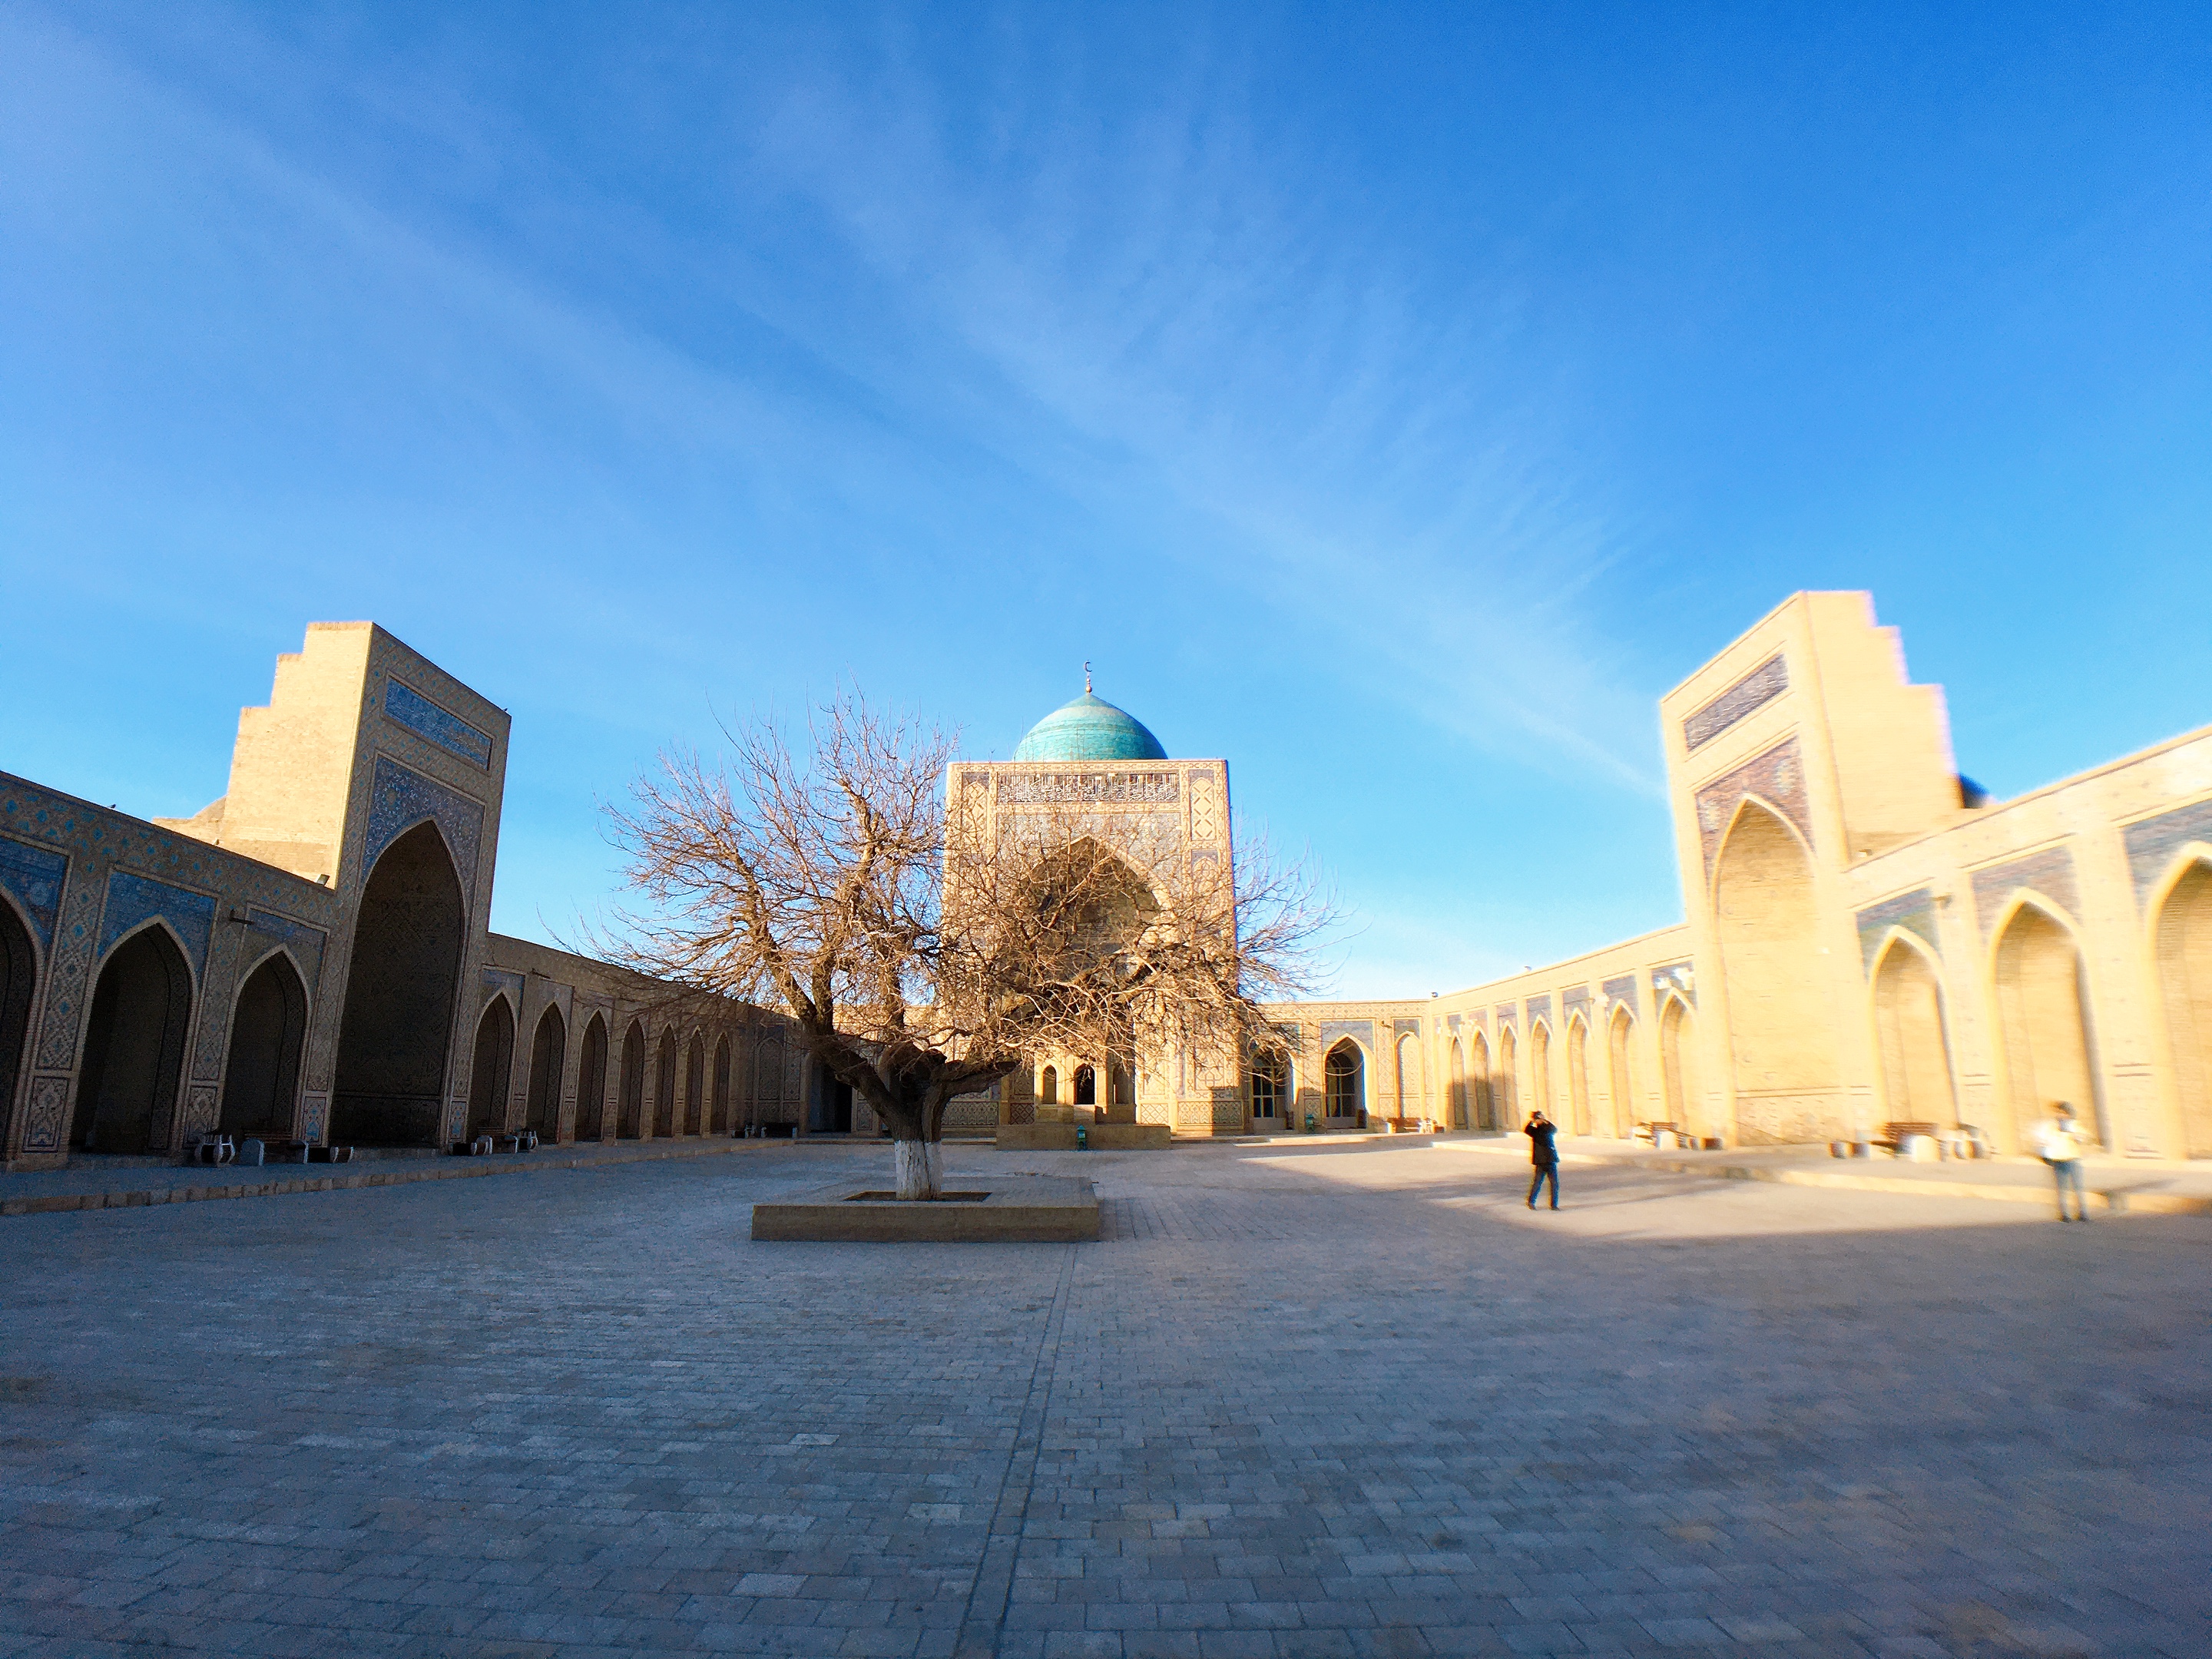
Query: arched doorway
[(1915, 1058), (630, 1122), (261, 1075), (134, 1045), (2184, 982), (1678, 1063), (2043, 1011), (1781, 1014), (1540, 1068), (1408, 1057), (1345, 1081), (832, 1112), (1270, 1087), (694, 1086), (664, 1089), (398, 1017), (1578, 1089), (591, 1083), (549, 1053), (1620, 1078), (18, 977), (1049, 1087), (1507, 1084), (1457, 1115), (1086, 1085), (494, 1066), (1485, 1096), (720, 1122)]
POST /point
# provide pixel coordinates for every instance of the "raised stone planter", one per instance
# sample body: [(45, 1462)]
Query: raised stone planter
[(1104, 1137), (1032, 1209)]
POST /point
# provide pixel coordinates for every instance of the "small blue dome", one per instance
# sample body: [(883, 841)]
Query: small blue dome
[(1089, 729)]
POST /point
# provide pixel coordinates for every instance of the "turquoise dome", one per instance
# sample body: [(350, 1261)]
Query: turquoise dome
[(1089, 729)]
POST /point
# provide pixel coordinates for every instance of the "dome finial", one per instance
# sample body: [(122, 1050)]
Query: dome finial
[(1086, 677)]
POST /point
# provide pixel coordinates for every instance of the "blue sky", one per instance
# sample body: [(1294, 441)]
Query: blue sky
[(1394, 402)]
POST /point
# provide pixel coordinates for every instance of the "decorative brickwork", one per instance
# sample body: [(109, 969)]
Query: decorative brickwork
[(2152, 842), (1753, 691), (1914, 912), (1776, 777), (2050, 872)]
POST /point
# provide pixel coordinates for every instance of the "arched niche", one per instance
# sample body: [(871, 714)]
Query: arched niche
[(592, 1082), (134, 1045), (1086, 1085), (19, 976), (1620, 1078), (719, 1122), (1049, 1087), (2182, 945), (631, 1124), (2044, 1017), (1506, 1086), (490, 1069), (1344, 1077), (1407, 1054), (261, 1072), (694, 1086), (549, 1056), (1578, 1088), (1455, 1111), (1269, 1086), (1677, 1062), (1781, 1006), (664, 1088), (1485, 1099), (1911, 1031), (1539, 1067), (408, 941)]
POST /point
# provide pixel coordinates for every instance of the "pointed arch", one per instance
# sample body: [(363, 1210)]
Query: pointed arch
[(1485, 1102), (1049, 1087), (403, 979), (2042, 1015), (134, 1047), (2181, 934), (1678, 1062), (261, 1067), (492, 1068), (1344, 1075), (719, 1122), (1412, 1097), (1507, 1085), (1620, 1079), (1781, 1011), (1578, 1089), (548, 1057), (694, 1085), (1455, 1114), (1540, 1067), (1086, 1084), (664, 1086), (630, 1121), (19, 982), (592, 1082), (1912, 1033)]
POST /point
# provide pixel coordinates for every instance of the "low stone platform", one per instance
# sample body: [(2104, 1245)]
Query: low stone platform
[(976, 1210), (1104, 1137)]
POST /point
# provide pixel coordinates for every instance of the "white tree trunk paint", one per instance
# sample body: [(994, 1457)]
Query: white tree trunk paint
[(921, 1168)]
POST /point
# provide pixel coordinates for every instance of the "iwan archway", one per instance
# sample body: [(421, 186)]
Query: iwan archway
[(395, 1033)]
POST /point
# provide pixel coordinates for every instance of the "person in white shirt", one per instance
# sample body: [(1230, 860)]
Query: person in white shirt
[(2058, 1143)]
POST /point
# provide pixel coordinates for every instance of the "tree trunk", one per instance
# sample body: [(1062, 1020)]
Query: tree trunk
[(921, 1168)]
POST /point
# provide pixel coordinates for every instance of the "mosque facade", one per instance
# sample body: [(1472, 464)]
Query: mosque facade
[(1868, 942)]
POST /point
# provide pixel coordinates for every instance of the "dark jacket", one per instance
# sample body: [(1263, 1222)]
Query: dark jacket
[(1541, 1153)]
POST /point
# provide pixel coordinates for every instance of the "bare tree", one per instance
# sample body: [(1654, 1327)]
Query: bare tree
[(923, 960)]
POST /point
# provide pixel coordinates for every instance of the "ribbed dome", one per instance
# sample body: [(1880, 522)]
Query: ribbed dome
[(1089, 729)]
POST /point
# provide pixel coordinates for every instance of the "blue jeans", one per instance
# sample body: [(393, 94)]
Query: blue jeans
[(2068, 1172), (1545, 1172)]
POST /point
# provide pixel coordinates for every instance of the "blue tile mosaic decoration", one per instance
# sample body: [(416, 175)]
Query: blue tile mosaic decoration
[(1505, 1015), (1681, 977), (496, 980), (2154, 841), (1622, 990), (306, 943), (32, 877), (135, 899), (2050, 872), (1776, 777), (1575, 996), (400, 799), (1407, 1027), (1914, 912), (1753, 691), (1361, 1029), (410, 709)]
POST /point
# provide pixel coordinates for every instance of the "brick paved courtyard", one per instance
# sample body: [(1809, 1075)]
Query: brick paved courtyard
[(1347, 1399)]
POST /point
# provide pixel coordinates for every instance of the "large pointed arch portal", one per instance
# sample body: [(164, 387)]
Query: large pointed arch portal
[(399, 1019)]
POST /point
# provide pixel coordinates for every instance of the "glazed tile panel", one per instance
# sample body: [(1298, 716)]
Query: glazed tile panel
[(407, 706), (1753, 691)]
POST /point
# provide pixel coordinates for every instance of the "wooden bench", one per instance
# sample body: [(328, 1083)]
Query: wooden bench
[(1894, 1136), (1651, 1132)]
